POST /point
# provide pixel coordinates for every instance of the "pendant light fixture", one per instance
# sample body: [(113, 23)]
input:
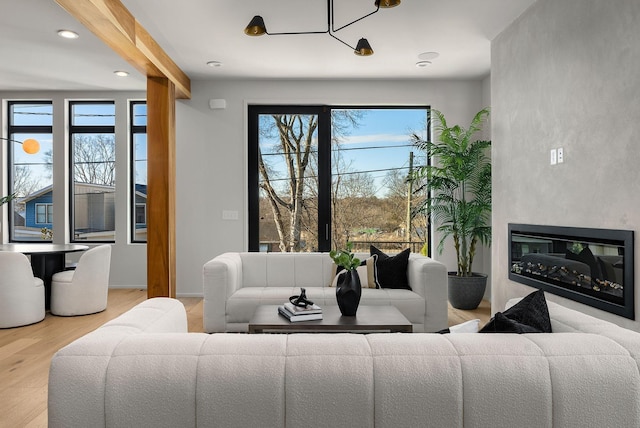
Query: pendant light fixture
[(29, 145), (257, 27)]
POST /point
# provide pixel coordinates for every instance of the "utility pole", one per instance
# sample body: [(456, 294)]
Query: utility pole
[(409, 196)]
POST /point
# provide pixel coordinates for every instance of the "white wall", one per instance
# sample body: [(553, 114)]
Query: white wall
[(211, 159), (565, 74), (211, 151), (128, 261)]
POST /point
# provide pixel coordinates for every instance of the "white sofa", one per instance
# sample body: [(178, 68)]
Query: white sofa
[(234, 284), (144, 370)]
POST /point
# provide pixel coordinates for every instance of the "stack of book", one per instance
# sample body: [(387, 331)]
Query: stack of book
[(296, 313)]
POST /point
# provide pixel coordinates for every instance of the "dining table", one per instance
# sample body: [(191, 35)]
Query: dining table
[(46, 260)]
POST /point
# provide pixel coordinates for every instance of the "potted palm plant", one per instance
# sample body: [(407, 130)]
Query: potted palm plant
[(458, 185)]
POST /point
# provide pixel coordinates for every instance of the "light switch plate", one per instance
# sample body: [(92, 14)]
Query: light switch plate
[(554, 157)]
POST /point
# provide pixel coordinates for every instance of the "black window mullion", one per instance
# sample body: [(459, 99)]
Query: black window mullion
[(133, 130), (253, 192), (14, 129), (324, 180)]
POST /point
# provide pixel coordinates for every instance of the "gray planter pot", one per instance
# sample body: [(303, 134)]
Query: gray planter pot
[(466, 292)]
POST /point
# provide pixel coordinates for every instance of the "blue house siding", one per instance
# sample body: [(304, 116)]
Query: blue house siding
[(30, 216)]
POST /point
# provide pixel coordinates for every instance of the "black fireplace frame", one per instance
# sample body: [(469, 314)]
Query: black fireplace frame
[(621, 238)]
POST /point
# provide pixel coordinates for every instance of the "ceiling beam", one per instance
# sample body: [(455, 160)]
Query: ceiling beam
[(112, 22)]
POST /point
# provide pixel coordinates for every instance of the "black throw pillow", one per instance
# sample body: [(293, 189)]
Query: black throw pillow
[(392, 271), (529, 315), (502, 324)]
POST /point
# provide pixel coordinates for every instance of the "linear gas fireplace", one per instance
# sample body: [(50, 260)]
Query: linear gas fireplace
[(590, 266)]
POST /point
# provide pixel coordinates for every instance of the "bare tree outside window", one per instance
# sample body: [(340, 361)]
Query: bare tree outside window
[(94, 159), (370, 199), (283, 187)]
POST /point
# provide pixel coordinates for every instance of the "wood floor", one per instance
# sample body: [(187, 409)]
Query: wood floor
[(25, 352)]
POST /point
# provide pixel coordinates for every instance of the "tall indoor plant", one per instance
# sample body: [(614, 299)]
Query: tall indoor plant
[(459, 199)]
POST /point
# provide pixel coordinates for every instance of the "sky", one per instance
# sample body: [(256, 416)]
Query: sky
[(84, 114), (380, 143), (383, 142)]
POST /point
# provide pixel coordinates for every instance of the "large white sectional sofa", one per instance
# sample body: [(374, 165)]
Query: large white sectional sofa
[(235, 284), (144, 370)]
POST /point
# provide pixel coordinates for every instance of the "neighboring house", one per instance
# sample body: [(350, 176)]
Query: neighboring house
[(141, 206), (94, 208), (38, 209), (18, 219)]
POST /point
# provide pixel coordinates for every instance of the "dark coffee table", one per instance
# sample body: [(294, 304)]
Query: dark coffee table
[(369, 319)]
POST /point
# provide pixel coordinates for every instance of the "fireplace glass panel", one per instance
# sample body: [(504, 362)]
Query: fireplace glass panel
[(592, 266)]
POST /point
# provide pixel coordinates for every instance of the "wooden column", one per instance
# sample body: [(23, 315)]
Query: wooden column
[(161, 188), (112, 22)]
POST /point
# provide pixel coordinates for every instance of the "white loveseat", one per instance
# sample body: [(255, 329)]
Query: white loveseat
[(234, 284), (144, 370)]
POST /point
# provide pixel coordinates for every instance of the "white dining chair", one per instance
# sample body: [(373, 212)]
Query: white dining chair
[(21, 294), (84, 290)]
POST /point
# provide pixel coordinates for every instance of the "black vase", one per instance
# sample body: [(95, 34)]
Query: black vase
[(348, 292)]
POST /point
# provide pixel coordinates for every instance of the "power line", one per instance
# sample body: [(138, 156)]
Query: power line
[(371, 147), (348, 149), (271, 180)]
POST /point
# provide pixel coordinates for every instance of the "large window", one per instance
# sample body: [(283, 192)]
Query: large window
[(92, 138), (319, 176), (138, 138), (30, 175)]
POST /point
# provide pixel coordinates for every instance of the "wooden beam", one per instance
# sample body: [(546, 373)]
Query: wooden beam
[(117, 27), (161, 188), (112, 22)]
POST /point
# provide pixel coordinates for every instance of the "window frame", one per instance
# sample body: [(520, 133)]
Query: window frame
[(133, 131), (85, 129), (13, 129), (324, 113), (324, 163)]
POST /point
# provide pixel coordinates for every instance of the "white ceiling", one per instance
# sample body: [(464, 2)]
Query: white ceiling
[(192, 32)]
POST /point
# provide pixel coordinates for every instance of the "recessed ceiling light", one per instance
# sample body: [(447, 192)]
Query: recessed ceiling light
[(423, 64), (214, 64), (428, 56), (121, 73), (68, 34)]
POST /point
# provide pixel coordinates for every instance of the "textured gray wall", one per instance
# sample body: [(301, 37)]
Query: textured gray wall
[(566, 74)]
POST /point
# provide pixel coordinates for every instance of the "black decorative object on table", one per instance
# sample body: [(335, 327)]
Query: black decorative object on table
[(348, 292), (348, 287), (301, 300)]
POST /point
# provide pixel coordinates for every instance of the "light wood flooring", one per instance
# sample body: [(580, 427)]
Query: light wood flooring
[(25, 352)]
